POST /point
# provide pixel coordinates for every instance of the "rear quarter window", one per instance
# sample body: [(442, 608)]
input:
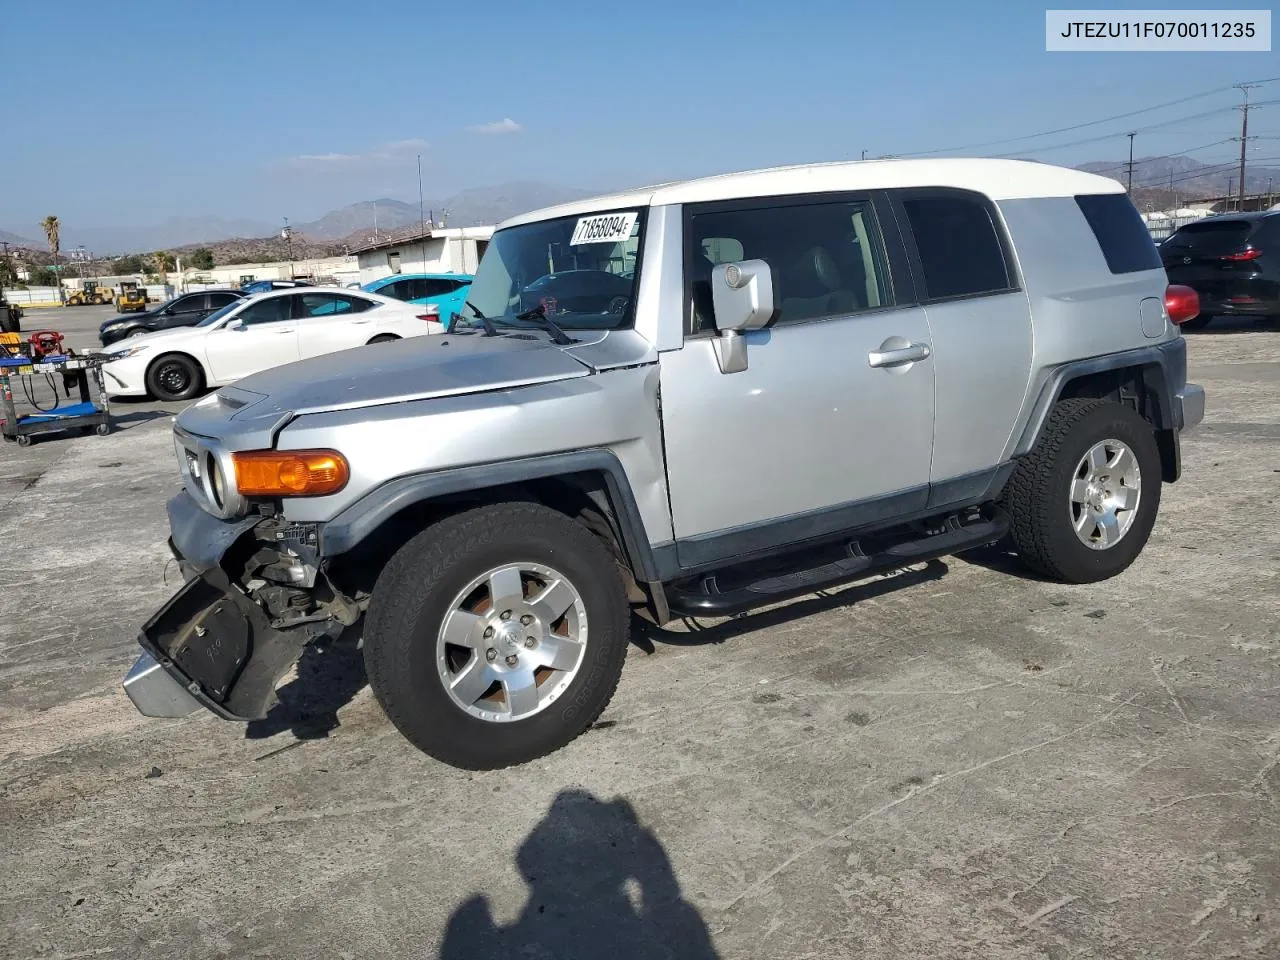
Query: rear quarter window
[(1125, 240), (960, 251)]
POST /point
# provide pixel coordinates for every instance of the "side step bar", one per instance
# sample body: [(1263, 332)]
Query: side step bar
[(708, 600)]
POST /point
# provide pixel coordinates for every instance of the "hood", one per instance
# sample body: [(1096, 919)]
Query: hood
[(147, 339), (128, 318), (418, 368)]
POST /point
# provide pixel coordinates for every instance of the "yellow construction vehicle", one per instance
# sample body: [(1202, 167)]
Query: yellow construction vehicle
[(91, 293), (131, 297)]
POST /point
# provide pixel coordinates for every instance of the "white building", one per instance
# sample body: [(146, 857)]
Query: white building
[(438, 250)]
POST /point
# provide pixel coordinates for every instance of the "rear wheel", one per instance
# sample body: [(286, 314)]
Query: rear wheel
[(1083, 502), (174, 376), (497, 635)]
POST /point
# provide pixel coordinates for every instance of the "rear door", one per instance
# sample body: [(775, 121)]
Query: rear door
[(268, 338), (980, 322), (329, 322)]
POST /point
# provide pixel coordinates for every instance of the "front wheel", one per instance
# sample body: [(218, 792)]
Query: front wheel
[(174, 377), (1083, 502), (497, 635)]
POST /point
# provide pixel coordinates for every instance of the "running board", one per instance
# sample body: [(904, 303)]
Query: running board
[(708, 600)]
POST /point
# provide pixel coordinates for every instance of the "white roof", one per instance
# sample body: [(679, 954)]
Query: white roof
[(998, 179)]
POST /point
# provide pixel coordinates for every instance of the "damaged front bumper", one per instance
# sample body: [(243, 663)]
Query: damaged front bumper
[(254, 598)]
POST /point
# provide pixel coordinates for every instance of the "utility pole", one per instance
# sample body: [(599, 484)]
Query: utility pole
[(864, 154), (287, 234), (1130, 187), (1244, 133), (422, 217)]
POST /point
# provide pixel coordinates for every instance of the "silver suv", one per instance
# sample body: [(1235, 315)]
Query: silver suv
[(691, 400)]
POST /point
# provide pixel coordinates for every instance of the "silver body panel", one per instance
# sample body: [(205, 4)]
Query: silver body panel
[(155, 693), (813, 421), (809, 424), (1078, 308)]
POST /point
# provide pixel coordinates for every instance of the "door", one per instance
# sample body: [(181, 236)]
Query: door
[(328, 322), (981, 325), (831, 424), (268, 338), (185, 311)]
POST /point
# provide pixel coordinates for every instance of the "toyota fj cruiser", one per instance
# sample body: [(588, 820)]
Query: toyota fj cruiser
[(690, 400)]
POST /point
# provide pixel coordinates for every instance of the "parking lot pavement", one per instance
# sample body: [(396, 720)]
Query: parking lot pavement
[(956, 762)]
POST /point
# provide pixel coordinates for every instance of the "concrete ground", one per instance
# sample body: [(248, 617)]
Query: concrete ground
[(956, 762)]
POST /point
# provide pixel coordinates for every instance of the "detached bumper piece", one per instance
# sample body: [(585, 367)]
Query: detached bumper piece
[(216, 646)]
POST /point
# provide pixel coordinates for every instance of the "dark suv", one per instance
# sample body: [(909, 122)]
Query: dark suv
[(183, 311), (1232, 261)]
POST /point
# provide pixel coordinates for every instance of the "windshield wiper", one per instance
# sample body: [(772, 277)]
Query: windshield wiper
[(538, 314), (489, 329)]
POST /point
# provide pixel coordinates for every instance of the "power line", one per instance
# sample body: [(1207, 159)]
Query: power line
[(1081, 126), (1109, 136)]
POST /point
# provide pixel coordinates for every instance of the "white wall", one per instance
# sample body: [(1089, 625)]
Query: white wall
[(436, 255)]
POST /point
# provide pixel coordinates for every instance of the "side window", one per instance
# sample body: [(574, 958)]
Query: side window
[(321, 305), (1125, 240), (828, 259), (958, 245), (435, 288), (219, 300), (190, 304), (399, 290), (271, 310)]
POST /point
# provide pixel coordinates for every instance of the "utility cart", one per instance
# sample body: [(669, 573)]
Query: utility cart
[(62, 417)]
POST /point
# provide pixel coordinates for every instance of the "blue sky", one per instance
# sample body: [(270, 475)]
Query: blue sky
[(271, 109)]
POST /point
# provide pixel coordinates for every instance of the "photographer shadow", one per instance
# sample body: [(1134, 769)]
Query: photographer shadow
[(601, 885)]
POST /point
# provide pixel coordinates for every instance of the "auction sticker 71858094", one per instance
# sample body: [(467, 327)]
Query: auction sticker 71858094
[(604, 228)]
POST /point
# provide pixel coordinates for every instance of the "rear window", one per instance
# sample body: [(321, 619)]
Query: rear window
[(1212, 236), (1125, 240)]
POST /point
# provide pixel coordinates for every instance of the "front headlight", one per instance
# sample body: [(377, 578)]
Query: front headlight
[(130, 352)]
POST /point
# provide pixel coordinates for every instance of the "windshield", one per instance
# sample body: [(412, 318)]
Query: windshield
[(580, 271), (217, 315)]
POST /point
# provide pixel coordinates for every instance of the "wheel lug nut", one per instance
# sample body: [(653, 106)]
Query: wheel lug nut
[(488, 632), (506, 615), (526, 620), (530, 641), (512, 660), (491, 654)]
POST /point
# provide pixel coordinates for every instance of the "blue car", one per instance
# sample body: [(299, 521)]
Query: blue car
[(448, 291)]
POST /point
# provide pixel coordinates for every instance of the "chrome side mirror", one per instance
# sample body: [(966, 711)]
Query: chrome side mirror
[(742, 295)]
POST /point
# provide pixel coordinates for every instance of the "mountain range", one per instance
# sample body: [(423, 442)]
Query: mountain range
[(1157, 181)]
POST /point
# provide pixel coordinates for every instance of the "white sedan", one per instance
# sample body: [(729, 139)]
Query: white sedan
[(266, 330)]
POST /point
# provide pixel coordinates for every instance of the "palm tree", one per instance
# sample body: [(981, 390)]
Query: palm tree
[(51, 225)]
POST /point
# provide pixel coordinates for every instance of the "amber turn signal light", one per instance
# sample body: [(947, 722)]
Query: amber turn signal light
[(290, 473)]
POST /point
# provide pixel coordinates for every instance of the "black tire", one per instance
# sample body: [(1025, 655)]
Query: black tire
[(1038, 496), (414, 593), (102, 429), (174, 376), (1198, 322), (383, 338)]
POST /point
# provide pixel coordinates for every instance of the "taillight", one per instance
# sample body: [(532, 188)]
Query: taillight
[(431, 312), (1250, 254), (1181, 303)]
